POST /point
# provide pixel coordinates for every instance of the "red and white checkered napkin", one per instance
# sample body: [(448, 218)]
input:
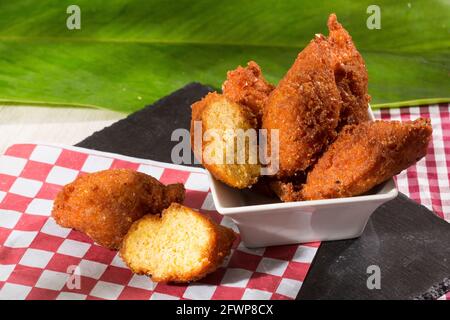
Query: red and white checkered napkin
[(38, 257), (445, 296)]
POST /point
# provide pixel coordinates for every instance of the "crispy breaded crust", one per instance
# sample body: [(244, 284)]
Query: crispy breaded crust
[(325, 89), (197, 114), (218, 113), (247, 86), (209, 244), (305, 108), (366, 155), (105, 204), (350, 75), (287, 190)]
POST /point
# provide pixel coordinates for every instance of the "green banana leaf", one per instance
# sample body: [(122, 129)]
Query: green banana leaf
[(130, 53)]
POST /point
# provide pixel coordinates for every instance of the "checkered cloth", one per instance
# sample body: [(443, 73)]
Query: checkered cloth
[(38, 258), (445, 296)]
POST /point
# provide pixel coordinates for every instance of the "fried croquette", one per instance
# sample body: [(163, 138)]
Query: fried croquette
[(350, 75), (104, 204), (305, 108), (180, 246), (247, 86), (288, 190), (226, 149), (366, 155)]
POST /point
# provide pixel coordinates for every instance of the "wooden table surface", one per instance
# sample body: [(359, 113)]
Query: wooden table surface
[(31, 124)]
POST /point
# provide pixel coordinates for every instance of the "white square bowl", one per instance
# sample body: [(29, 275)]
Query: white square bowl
[(264, 221)]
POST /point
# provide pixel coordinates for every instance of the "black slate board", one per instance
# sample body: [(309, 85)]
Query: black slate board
[(146, 133), (407, 241)]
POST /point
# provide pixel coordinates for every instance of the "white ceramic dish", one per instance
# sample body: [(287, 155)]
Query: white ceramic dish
[(263, 221)]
